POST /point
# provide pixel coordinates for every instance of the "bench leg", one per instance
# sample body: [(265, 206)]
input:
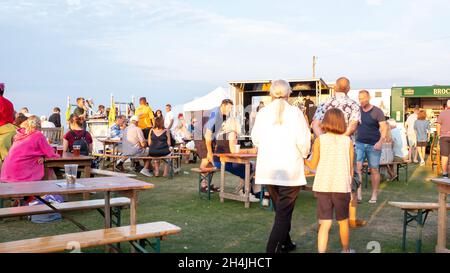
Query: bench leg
[(419, 231), (405, 224)]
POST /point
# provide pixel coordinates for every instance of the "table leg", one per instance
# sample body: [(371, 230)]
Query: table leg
[(247, 185), (222, 180), (104, 155), (46, 170), (442, 222), (107, 209), (87, 174), (133, 211)]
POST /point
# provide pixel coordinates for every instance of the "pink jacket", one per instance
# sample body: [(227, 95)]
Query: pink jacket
[(21, 164)]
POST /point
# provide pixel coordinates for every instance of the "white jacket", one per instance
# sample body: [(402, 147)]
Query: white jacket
[(281, 148)]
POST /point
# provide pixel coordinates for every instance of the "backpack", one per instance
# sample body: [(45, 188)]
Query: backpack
[(84, 146)]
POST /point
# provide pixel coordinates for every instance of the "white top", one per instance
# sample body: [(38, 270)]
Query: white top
[(47, 124), (333, 171), (400, 145), (132, 136), (410, 124), (167, 119), (281, 148)]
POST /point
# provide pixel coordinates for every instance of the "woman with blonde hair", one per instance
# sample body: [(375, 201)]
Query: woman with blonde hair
[(282, 138), (25, 161)]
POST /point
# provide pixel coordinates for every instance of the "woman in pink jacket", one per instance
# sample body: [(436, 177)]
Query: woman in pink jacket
[(25, 161)]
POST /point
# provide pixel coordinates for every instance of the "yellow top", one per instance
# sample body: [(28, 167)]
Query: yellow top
[(146, 117)]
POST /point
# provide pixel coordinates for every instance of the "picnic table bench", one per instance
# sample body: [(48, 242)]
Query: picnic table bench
[(397, 165), (168, 159), (418, 212), (111, 173), (137, 235)]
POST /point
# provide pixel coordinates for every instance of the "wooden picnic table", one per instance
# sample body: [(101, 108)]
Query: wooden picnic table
[(123, 185), (109, 141), (443, 185), (241, 158), (68, 158)]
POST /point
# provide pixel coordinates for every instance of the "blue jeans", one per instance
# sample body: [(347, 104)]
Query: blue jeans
[(364, 151)]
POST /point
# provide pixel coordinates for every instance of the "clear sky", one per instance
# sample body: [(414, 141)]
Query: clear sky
[(174, 51)]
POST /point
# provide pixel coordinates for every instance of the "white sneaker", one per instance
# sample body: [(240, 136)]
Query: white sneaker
[(253, 199), (146, 172), (422, 163)]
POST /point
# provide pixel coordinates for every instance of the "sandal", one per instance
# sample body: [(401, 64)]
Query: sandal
[(373, 201)]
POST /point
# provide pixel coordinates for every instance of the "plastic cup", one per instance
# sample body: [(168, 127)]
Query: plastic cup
[(71, 173), (59, 150), (237, 148), (76, 150)]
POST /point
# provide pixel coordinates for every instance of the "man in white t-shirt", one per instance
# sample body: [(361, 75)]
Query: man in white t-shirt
[(399, 139), (168, 119), (411, 133), (45, 123)]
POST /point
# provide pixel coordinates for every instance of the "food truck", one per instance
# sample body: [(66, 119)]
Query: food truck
[(249, 94), (430, 98)]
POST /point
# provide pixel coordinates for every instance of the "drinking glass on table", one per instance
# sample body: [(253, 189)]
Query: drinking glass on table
[(71, 173), (76, 150), (59, 150)]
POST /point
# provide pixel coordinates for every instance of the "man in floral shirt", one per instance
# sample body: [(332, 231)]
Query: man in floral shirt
[(353, 118)]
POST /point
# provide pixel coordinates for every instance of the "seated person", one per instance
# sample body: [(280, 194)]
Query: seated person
[(223, 130), (134, 144), (78, 136), (25, 161), (116, 131), (159, 144)]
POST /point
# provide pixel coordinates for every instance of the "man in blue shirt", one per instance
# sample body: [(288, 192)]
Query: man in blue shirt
[(118, 127)]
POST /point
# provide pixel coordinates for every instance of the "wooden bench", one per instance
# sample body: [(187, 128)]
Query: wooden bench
[(117, 204), (418, 212), (111, 173), (168, 159), (205, 174), (396, 164), (137, 235)]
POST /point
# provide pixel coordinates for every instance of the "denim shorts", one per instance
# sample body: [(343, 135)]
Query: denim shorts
[(364, 151)]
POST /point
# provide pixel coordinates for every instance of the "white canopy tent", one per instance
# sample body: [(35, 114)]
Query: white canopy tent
[(208, 101)]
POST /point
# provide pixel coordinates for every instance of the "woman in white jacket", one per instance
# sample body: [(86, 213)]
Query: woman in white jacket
[(283, 140)]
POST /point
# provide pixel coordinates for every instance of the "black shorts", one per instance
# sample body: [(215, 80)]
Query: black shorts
[(200, 147), (445, 146), (422, 144), (146, 132), (327, 202)]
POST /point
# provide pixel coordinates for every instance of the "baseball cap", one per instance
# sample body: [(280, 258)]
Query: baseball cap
[(134, 118)]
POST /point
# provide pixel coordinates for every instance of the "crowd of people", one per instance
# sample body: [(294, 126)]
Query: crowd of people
[(333, 144)]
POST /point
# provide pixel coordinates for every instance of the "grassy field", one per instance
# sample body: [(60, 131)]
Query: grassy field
[(210, 226)]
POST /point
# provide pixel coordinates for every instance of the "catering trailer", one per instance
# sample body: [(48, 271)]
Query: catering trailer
[(430, 98), (247, 96)]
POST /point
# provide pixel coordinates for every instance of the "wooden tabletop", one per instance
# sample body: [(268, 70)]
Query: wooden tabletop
[(243, 156), (109, 140), (98, 184), (441, 181), (68, 157)]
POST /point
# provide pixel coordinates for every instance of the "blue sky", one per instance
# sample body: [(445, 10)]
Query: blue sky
[(174, 51)]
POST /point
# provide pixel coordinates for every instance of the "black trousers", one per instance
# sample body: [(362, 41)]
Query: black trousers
[(283, 199)]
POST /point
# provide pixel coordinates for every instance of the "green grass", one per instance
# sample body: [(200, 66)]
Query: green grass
[(210, 226)]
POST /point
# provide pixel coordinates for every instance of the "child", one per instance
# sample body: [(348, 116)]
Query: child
[(333, 158)]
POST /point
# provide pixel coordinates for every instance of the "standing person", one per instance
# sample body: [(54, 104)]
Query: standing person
[(352, 116), (169, 118), (146, 117), (81, 112), (411, 133), (443, 131), (55, 117), (283, 140), (116, 130), (101, 111), (370, 136), (7, 128), (422, 128), (158, 113), (333, 157)]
